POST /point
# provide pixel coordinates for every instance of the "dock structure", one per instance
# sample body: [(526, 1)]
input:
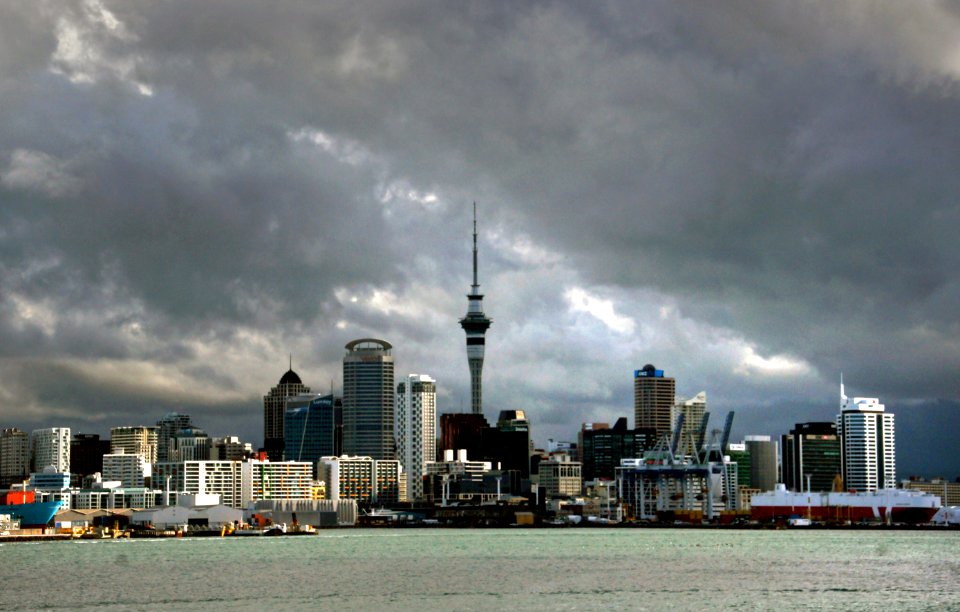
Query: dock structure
[(683, 478)]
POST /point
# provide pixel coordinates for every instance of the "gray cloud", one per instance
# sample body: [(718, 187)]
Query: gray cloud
[(753, 196)]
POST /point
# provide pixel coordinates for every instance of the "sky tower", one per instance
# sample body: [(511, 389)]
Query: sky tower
[(475, 324)]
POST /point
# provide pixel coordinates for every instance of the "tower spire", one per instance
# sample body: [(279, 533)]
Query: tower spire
[(476, 286)]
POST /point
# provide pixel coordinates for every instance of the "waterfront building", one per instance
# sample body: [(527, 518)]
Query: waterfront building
[(276, 480), (763, 462), (560, 477), (274, 406), (811, 452), (737, 451), (368, 388), (602, 447), (475, 325), (653, 399), (169, 425), (867, 444), (308, 427), (110, 497), (14, 456), (50, 447), (458, 478), (221, 478), (50, 480), (86, 456), (135, 440), (131, 471), (364, 479), (416, 429)]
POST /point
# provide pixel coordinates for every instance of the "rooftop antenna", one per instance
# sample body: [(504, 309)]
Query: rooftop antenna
[(476, 285), (291, 361)]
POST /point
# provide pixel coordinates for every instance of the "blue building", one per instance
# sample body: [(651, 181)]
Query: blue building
[(308, 428)]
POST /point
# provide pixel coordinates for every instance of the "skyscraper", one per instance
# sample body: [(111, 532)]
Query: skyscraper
[(135, 440), (763, 462), (811, 450), (368, 399), (308, 428), (416, 429), (867, 447), (475, 324), (692, 411), (653, 398), (14, 456), (274, 405), (50, 447), (167, 428)]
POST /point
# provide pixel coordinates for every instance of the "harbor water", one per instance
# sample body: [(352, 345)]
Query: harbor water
[(494, 569)]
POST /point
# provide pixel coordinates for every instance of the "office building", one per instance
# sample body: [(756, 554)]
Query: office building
[(14, 456), (560, 477), (867, 444), (416, 429), (462, 430), (508, 446), (86, 456), (190, 444), (274, 406), (602, 448), (308, 428), (763, 462), (475, 325), (167, 427), (221, 478), (50, 447), (280, 480), (131, 471), (135, 440), (811, 456), (653, 399), (230, 448), (368, 389)]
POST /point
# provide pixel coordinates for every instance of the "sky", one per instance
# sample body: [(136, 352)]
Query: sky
[(752, 196)]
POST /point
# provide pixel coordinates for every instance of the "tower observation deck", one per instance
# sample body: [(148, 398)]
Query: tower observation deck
[(475, 324)]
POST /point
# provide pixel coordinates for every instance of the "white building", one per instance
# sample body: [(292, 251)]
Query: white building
[(135, 440), (50, 446), (415, 412), (363, 479), (131, 470), (692, 411), (867, 444)]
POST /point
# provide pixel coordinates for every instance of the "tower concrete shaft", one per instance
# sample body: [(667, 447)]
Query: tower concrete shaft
[(475, 324)]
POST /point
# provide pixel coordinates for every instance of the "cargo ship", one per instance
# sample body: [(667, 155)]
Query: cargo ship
[(884, 505), (22, 506)]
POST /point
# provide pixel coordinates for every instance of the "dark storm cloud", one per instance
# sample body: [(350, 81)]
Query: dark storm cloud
[(208, 186)]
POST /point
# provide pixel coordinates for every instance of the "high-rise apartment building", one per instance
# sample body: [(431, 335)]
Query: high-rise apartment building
[(364, 479), (135, 440), (190, 444), (274, 406), (416, 429), (811, 456), (867, 444), (50, 447), (475, 324), (130, 470), (653, 399), (168, 426), (14, 456), (368, 399)]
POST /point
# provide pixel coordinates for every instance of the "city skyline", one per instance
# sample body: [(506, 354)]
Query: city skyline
[(753, 205)]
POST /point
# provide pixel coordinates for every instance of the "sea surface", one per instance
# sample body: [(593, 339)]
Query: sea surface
[(494, 569)]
